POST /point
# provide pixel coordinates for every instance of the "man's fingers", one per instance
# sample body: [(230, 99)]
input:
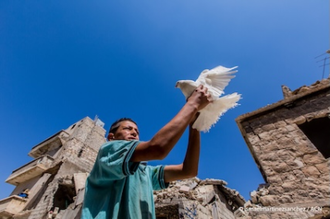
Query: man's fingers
[(202, 88), (209, 97)]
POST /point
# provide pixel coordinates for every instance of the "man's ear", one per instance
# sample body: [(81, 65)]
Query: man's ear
[(111, 136)]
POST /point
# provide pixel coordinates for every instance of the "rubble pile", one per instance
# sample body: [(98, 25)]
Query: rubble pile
[(195, 198)]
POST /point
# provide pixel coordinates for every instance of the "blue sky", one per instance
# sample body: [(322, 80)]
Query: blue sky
[(61, 61)]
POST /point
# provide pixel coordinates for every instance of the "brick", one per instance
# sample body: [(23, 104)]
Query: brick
[(269, 200), (314, 158), (323, 168), (299, 120), (310, 171)]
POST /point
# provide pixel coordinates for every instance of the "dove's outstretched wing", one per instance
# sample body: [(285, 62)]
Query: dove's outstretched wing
[(211, 113), (216, 79)]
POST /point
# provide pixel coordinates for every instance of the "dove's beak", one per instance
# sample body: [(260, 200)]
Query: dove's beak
[(177, 84)]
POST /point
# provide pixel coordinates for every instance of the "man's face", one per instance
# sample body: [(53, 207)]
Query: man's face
[(127, 130)]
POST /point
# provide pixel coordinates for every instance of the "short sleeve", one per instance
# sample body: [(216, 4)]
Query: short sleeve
[(156, 174), (113, 160)]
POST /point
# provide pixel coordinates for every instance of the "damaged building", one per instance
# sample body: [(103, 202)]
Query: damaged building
[(52, 185), (289, 141)]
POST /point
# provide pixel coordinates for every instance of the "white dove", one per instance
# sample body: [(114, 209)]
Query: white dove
[(215, 80)]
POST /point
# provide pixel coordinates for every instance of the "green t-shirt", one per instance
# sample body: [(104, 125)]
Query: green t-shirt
[(118, 188)]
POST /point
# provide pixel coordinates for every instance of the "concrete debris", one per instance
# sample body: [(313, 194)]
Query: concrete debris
[(201, 198)]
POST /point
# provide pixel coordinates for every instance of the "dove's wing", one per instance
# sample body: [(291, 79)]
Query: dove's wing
[(216, 79), (212, 112)]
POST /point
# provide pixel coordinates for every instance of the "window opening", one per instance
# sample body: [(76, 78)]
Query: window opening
[(64, 196), (318, 132), (80, 152)]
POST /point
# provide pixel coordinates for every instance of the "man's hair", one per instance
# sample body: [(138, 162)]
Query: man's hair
[(116, 124)]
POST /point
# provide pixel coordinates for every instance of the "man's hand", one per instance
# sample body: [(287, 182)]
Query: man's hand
[(200, 98)]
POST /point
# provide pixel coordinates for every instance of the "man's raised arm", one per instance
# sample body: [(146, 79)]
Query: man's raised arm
[(165, 139), (189, 167)]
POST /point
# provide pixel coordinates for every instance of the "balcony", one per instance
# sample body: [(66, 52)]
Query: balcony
[(11, 205), (50, 145), (30, 170)]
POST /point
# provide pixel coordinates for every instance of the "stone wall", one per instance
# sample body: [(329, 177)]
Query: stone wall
[(296, 173)]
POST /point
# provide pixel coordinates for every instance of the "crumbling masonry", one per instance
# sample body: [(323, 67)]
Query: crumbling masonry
[(289, 141), (56, 178)]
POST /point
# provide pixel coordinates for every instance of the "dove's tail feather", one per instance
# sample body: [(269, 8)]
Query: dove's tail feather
[(212, 112)]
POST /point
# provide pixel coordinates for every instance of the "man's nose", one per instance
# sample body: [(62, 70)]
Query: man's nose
[(134, 133)]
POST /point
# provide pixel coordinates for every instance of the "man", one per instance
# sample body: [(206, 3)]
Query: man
[(120, 186)]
